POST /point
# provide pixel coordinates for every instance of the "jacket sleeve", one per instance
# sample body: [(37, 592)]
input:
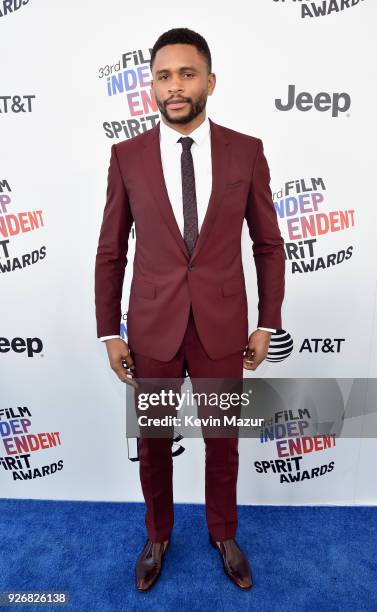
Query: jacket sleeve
[(268, 244), (111, 258)]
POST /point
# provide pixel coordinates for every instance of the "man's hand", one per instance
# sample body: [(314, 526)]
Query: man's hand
[(257, 349), (119, 354)]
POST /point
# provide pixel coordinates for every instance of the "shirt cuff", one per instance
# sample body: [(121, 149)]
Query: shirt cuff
[(102, 338), (268, 329)]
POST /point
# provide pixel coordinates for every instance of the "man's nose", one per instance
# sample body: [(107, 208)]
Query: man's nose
[(175, 85)]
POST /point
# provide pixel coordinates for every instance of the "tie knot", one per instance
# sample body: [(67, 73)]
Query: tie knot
[(186, 142)]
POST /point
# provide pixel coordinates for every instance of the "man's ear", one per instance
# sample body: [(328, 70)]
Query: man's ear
[(212, 74)]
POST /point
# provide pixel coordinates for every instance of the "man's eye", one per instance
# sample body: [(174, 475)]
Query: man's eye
[(164, 76)]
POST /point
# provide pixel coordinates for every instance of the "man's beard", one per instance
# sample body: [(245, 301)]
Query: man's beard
[(195, 109)]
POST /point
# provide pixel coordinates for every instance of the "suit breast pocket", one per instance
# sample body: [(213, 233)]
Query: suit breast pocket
[(234, 184)]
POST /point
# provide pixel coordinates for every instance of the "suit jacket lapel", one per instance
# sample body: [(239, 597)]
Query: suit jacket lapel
[(154, 172), (220, 153)]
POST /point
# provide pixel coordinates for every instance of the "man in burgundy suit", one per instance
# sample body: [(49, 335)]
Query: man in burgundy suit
[(188, 184)]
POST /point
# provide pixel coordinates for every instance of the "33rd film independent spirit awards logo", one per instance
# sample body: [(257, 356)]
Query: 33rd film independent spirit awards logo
[(302, 420), (11, 6), (20, 447), (320, 8), (130, 77), (14, 224), (300, 204), (287, 432)]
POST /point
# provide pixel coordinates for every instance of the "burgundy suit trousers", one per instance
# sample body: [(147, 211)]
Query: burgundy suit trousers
[(221, 453)]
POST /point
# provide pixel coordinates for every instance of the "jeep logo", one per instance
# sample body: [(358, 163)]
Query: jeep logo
[(337, 102), (30, 346)]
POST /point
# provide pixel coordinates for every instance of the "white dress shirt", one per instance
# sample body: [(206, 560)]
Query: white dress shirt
[(171, 151)]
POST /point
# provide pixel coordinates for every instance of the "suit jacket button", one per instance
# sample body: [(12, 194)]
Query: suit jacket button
[(190, 266)]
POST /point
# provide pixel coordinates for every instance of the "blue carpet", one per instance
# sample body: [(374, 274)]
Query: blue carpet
[(302, 558)]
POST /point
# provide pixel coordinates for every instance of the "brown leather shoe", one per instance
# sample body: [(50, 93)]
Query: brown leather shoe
[(149, 563), (236, 565)]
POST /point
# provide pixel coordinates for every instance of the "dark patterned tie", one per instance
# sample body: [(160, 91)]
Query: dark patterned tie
[(190, 212)]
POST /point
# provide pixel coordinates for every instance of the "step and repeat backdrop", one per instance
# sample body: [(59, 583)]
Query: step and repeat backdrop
[(75, 79)]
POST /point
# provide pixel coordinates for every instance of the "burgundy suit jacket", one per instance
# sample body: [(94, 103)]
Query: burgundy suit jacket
[(166, 280)]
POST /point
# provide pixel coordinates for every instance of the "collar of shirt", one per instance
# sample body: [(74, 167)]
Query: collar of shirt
[(169, 136)]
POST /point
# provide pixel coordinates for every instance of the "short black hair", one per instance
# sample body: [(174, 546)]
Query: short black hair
[(183, 36)]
